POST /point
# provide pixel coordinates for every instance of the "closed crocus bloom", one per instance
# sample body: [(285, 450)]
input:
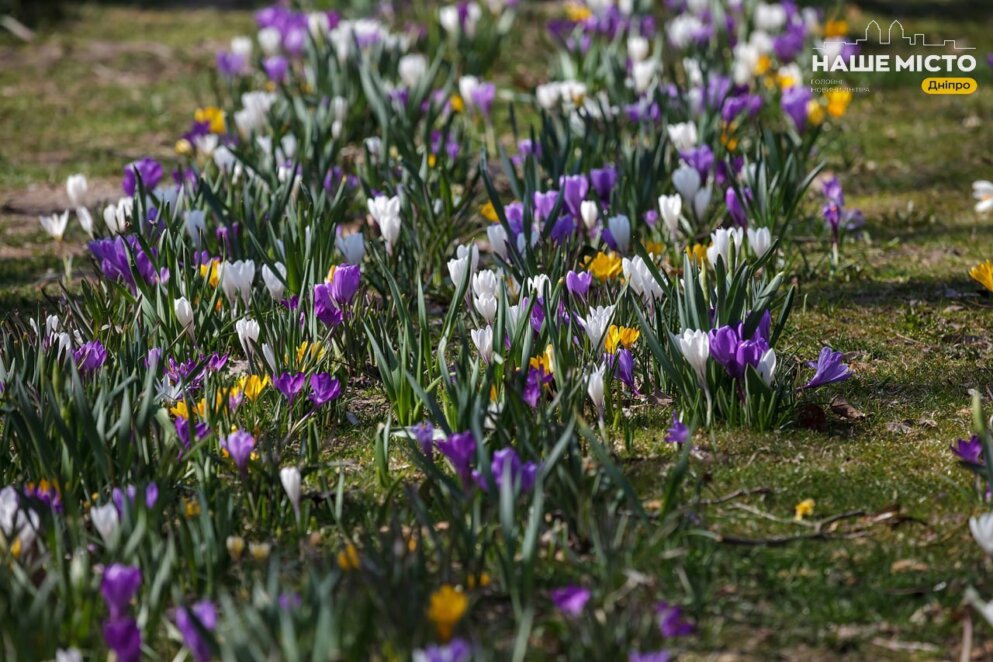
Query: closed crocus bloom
[(590, 212), (486, 282), (578, 284), (386, 212), (248, 334), (290, 478), (55, 224), (670, 206), (498, 240), (345, 282), (106, 520), (486, 306), (275, 284), (195, 224), (85, 220), (352, 247), (596, 323), (467, 87), (483, 340), (686, 179), (620, 231), (76, 188), (643, 75), (982, 531), (457, 270), (695, 346), (184, 313), (683, 135), (637, 48), (641, 280), (701, 201), (595, 387), (720, 245), (236, 279), (767, 366), (760, 240), (412, 68), (239, 445)]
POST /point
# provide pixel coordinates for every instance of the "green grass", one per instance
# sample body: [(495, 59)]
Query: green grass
[(917, 331)]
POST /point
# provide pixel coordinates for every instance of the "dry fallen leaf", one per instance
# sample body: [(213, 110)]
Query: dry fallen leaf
[(841, 407)]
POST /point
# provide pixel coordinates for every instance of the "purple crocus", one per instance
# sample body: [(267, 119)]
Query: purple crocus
[(460, 449), (603, 180), (345, 283), (324, 307), (130, 492), (290, 385), (671, 621), (239, 445), (533, 386), (124, 638), (575, 188), (424, 436), (151, 174), (969, 451), (323, 389), (457, 650), (828, 369), (794, 103), (578, 284), (624, 368), (736, 210), (678, 433), (90, 357), (544, 203), (200, 429), (191, 622), (651, 656), (275, 68), (735, 353), (231, 64), (483, 96), (119, 585), (570, 600), (507, 463)]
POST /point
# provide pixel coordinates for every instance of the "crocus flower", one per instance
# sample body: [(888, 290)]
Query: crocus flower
[(652, 656), (90, 356), (204, 614), (570, 600), (55, 224), (828, 369), (457, 650), (671, 621), (794, 102), (290, 478), (290, 385), (324, 307), (275, 68), (344, 282), (124, 638), (624, 362), (574, 188), (323, 389), (150, 171), (695, 347), (678, 433), (982, 531), (482, 97), (460, 449), (119, 585), (603, 180), (239, 445), (507, 463), (578, 284), (970, 450), (424, 435), (595, 387)]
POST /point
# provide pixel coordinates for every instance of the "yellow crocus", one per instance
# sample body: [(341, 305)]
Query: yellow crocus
[(698, 252), (253, 385), (815, 113), (212, 272), (348, 558), (803, 509), (837, 102), (315, 351), (605, 265), (982, 273), (183, 147), (457, 104), (620, 336), (837, 28), (448, 605), (488, 211), (763, 65), (655, 248), (577, 12), (432, 160), (211, 115)]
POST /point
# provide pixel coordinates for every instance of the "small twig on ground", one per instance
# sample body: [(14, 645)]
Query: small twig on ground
[(16, 28), (734, 495)]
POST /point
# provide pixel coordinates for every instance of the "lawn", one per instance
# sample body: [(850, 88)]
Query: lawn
[(879, 570)]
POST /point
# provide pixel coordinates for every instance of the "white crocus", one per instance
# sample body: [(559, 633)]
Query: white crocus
[(486, 283), (620, 230), (107, 522), (85, 220), (670, 206), (695, 346), (595, 387), (116, 216), (982, 531), (486, 306), (596, 323), (720, 245), (687, 181), (386, 212), (269, 356), (412, 68), (483, 340), (195, 225), (55, 224), (497, 236), (637, 48), (352, 246), (760, 240), (767, 366), (643, 75), (683, 135), (270, 40), (76, 188), (640, 279), (982, 191), (467, 88), (457, 269), (701, 201), (590, 213), (236, 279), (248, 334), (290, 478), (184, 314), (273, 282)]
